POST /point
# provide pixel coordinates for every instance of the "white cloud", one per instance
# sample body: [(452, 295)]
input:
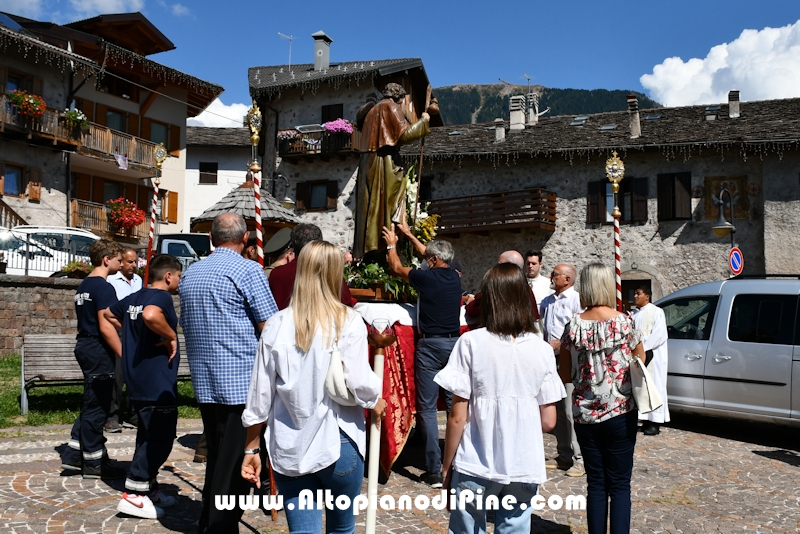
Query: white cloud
[(24, 8), (218, 115), (180, 9), (90, 8), (761, 64)]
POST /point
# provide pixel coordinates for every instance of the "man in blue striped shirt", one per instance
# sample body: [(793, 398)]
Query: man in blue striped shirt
[(225, 301)]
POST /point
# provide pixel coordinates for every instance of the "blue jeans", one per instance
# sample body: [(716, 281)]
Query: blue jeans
[(341, 478), (608, 458), (432, 355), (472, 520)]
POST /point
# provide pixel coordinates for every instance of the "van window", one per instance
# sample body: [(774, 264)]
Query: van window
[(690, 318), (763, 319), (179, 250)]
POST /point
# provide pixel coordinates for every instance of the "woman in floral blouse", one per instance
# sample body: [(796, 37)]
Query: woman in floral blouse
[(596, 352)]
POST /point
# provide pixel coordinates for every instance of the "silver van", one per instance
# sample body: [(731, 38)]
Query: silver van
[(734, 349)]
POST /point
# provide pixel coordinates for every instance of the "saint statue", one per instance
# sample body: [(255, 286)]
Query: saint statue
[(385, 128)]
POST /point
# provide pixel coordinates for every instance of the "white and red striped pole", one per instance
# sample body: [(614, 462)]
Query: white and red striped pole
[(617, 261), (156, 181), (255, 169)]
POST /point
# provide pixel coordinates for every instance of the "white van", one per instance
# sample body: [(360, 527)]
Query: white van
[(43, 250)]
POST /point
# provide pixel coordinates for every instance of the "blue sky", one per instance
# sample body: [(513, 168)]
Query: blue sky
[(577, 44)]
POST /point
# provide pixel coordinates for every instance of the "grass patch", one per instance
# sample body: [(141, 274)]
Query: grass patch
[(60, 405)]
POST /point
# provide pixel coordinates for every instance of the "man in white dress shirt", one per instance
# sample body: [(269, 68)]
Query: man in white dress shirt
[(556, 311), (650, 319), (539, 284), (125, 282)]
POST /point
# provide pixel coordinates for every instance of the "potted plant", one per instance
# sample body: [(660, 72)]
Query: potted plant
[(26, 104), (370, 281), (77, 269), (337, 135), (3, 263), (76, 121), (285, 140), (123, 214)]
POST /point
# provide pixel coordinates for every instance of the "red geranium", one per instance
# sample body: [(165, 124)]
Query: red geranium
[(27, 104), (124, 214)]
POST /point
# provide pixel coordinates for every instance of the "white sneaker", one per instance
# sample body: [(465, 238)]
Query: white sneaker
[(139, 506), (161, 499)]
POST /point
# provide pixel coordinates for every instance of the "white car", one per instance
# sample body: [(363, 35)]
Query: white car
[(43, 250)]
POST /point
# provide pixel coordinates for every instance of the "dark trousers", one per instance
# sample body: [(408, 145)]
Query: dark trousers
[(97, 363), (155, 435), (226, 439), (432, 355), (608, 457), (120, 406)]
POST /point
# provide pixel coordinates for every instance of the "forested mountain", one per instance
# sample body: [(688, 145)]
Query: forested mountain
[(465, 104)]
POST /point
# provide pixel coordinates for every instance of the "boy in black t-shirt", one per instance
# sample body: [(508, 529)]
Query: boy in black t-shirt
[(150, 360), (96, 348)]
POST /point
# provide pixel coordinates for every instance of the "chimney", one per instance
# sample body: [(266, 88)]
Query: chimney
[(499, 130), (322, 51), (517, 108), (633, 111), (733, 104), (533, 109)]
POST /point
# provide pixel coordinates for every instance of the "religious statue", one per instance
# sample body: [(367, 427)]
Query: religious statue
[(385, 128)]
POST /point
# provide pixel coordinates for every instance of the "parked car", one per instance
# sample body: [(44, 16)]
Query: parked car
[(180, 249), (43, 250), (734, 349)]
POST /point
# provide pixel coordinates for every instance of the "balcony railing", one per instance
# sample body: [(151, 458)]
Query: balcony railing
[(8, 217), (51, 125), (524, 208), (113, 143), (317, 143), (94, 217)]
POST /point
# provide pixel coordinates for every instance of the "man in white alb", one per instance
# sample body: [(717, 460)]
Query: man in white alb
[(539, 284), (650, 319)]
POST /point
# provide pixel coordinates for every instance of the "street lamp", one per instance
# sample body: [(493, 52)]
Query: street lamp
[(615, 171), (287, 202), (722, 227)]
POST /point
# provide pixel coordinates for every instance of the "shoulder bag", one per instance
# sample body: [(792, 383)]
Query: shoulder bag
[(335, 383), (644, 387)]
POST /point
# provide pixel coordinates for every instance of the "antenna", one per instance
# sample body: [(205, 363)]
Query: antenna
[(503, 81), (290, 38), (529, 82)]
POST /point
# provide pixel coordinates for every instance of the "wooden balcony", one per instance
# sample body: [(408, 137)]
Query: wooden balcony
[(94, 217), (317, 143), (8, 217), (507, 210), (49, 128), (107, 143)]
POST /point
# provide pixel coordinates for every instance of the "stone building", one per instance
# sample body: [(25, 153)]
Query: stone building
[(316, 168), (57, 173)]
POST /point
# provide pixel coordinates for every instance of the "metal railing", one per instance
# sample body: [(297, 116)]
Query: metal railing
[(113, 143), (524, 208), (51, 125), (25, 255), (317, 142), (93, 216)]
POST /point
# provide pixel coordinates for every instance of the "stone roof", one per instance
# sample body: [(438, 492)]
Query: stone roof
[(269, 81), (205, 136), (242, 201), (762, 125)]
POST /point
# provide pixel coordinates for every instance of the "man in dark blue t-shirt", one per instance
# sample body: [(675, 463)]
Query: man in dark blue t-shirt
[(438, 314), (96, 349), (150, 359)]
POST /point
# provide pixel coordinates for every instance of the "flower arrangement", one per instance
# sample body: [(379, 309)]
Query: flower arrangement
[(423, 225), (75, 117), (27, 104), (338, 126), (288, 134), (360, 275), (77, 269), (122, 213)]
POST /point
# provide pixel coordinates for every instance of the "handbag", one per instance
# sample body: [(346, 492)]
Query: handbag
[(335, 383), (644, 387)]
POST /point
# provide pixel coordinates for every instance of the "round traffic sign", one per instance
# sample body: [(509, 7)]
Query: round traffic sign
[(736, 261)]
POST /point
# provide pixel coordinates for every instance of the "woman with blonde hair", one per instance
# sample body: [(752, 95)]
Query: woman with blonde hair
[(596, 353), (313, 442)]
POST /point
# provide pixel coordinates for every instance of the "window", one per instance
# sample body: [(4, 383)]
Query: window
[(115, 120), (15, 82), (12, 179), (317, 195), (332, 112), (208, 172), (632, 198), (690, 318), (763, 319), (111, 190), (675, 196), (158, 133)]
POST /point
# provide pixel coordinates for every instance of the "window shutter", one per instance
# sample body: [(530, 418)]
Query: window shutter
[(332, 194), (97, 189), (683, 195), (332, 112), (129, 192), (175, 141), (164, 197), (83, 190), (2, 83), (133, 124), (87, 106), (145, 132), (35, 185), (302, 195), (145, 199), (102, 115), (172, 213), (2, 179), (37, 86), (595, 202), (665, 197), (639, 198)]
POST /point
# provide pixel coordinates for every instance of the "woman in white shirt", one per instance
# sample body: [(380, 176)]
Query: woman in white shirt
[(314, 443), (504, 384)]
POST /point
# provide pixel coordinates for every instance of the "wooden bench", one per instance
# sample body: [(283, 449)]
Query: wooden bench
[(49, 360)]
